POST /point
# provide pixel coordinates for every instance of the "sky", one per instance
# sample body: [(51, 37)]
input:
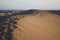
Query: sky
[(29, 4)]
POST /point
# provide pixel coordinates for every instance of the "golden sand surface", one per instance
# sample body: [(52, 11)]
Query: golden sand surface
[(43, 26)]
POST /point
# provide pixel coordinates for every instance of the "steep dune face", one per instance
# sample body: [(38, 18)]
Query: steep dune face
[(43, 26)]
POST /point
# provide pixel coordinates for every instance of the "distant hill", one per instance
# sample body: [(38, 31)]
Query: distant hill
[(54, 11), (31, 11)]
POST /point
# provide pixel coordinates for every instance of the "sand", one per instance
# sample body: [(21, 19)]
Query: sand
[(2, 14), (43, 26)]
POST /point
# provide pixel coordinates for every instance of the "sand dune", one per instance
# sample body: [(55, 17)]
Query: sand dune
[(43, 26)]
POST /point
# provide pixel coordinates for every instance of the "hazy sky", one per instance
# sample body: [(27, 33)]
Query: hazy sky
[(30, 4)]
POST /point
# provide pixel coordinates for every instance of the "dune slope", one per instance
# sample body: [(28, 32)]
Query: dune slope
[(42, 26)]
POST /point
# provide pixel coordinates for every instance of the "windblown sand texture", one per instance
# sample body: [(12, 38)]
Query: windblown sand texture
[(42, 26)]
